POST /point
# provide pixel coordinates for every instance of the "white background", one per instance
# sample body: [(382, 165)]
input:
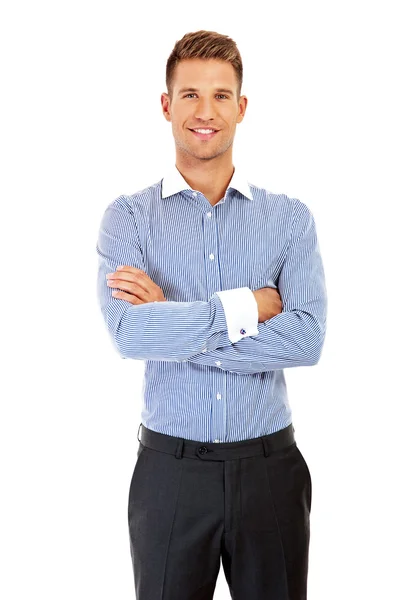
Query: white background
[(81, 123)]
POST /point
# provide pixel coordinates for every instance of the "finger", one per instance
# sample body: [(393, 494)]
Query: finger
[(126, 284), (126, 272), (128, 297), (138, 277), (123, 276), (130, 288)]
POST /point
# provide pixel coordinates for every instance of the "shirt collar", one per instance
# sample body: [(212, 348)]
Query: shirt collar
[(174, 182)]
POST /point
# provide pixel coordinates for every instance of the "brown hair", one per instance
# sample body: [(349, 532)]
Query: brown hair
[(206, 45)]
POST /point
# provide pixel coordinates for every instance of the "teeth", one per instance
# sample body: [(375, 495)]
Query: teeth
[(204, 130)]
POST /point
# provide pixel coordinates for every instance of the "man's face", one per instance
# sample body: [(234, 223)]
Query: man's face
[(204, 108)]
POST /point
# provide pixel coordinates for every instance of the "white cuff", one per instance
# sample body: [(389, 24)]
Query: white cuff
[(241, 312)]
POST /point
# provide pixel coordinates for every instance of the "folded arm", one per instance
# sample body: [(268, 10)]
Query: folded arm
[(295, 337), (165, 331)]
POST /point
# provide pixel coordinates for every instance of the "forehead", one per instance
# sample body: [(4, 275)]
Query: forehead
[(208, 72)]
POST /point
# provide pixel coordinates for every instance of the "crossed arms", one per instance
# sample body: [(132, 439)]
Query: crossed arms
[(180, 331)]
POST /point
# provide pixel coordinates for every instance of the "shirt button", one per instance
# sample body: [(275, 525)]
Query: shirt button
[(218, 363), (203, 351), (216, 440), (211, 256), (209, 214), (194, 193), (219, 396)]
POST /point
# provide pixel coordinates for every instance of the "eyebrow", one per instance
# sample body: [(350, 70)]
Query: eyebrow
[(226, 91)]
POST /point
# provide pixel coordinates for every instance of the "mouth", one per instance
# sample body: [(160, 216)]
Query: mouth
[(204, 136)]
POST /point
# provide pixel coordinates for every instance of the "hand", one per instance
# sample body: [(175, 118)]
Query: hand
[(138, 287), (269, 303)]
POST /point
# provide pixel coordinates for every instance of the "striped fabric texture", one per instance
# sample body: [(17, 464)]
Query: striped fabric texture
[(212, 372)]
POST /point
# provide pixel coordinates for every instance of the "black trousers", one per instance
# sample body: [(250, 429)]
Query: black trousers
[(192, 504)]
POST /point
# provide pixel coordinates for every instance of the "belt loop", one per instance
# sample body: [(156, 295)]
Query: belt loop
[(138, 433), (265, 445), (179, 449)]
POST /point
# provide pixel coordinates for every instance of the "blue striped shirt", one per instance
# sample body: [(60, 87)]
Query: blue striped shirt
[(212, 372)]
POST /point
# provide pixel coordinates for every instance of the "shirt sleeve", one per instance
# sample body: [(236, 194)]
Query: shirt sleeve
[(169, 331), (295, 337)]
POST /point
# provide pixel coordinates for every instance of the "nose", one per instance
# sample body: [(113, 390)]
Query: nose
[(204, 110)]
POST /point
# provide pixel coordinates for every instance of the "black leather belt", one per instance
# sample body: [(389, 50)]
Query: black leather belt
[(182, 447)]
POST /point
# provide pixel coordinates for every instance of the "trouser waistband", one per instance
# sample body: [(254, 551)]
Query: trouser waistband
[(180, 447)]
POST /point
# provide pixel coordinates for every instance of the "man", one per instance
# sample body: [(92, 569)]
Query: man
[(218, 285)]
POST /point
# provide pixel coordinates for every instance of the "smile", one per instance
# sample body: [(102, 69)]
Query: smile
[(204, 136)]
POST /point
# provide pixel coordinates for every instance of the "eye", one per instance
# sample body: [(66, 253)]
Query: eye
[(192, 94)]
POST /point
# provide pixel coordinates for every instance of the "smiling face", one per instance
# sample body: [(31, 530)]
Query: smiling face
[(204, 96)]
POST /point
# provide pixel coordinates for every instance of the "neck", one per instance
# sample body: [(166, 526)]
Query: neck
[(211, 178)]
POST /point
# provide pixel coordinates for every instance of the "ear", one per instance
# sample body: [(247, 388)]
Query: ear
[(165, 101), (242, 105)]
